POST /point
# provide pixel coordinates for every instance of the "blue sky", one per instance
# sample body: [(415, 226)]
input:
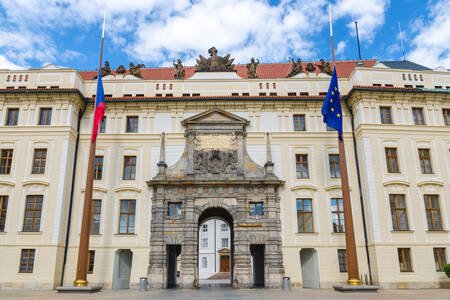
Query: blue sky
[(154, 32)]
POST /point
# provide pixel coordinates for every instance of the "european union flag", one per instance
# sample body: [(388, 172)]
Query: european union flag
[(331, 109)]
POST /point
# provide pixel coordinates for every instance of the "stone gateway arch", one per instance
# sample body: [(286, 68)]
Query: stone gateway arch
[(215, 177)]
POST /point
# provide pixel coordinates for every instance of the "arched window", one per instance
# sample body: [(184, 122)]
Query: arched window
[(204, 263)]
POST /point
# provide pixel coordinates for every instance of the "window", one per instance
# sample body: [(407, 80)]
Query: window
[(46, 116), (256, 209), (204, 263), (439, 259), (335, 168), (224, 242), (404, 259), (40, 157), (102, 125), (425, 161), (129, 167), (433, 212), (418, 116), (132, 123), (342, 257), (204, 242), (90, 269), (205, 228), (398, 212), (3, 208), (98, 167), (385, 114), (175, 209), (33, 209), (446, 113), (224, 227), (337, 209), (6, 161), (13, 116), (391, 160), (26, 261), (301, 165), (304, 215), (299, 123), (127, 212), (96, 209)]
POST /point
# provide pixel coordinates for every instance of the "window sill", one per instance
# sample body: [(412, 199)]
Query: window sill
[(126, 234), (306, 233), (337, 232), (402, 231), (437, 231), (30, 232), (96, 234)]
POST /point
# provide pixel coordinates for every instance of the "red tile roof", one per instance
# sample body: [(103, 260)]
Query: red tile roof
[(264, 71)]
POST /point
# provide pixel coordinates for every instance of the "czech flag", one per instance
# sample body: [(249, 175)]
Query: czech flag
[(99, 107)]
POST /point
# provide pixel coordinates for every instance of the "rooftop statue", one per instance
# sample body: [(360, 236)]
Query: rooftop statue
[(251, 68), (325, 67), (215, 63), (180, 72), (135, 70), (121, 70), (104, 71), (296, 67), (310, 68)]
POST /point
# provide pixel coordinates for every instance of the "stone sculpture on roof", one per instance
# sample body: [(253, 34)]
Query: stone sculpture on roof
[(121, 70), (104, 71), (296, 67), (180, 72), (310, 67), (135, 70), (215, 63), (251, 68), (325, 67)]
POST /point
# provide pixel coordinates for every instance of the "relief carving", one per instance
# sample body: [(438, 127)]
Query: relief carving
[(215, 161)]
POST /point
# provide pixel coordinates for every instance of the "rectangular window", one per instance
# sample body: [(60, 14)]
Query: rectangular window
[(127, 213), (301, 165), (132, 123), (433, 212), (440, 259), (103, 125), (224, 227), (129, 167), (446, 113), (13, 116), (204, 263), (418, 116), (26, 261), (91, 259), (3, 209), (96, 209), (335, 168), (385, 115), (224, 242), (40, 157), (205, 228), (256, 209), (342, 257), (6, 161), (299, 123), (304, 215), (45, 117), (398, 212), (204, 242), (391, 160), (404, 259), (98, 167), (33, 210), (175, 210), (337, 209), (425, 161)]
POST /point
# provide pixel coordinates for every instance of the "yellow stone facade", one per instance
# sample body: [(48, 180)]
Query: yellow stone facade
[(67, 94)]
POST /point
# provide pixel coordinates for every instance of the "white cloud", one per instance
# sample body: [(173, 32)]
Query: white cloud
[(341, 47), (6, 64), (432, 42), (368, 13)]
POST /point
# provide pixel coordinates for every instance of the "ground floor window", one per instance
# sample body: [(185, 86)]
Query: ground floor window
[(91, 261), (404, 259), (204, 262), (27, 261), (439, 258), (342, 257)]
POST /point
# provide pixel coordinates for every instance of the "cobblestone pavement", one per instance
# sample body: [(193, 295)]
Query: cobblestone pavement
[(228, 293)]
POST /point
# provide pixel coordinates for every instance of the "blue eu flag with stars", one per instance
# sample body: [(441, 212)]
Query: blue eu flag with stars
[(331, 109)]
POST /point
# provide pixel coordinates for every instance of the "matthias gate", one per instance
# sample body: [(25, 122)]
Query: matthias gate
[(215, 177)]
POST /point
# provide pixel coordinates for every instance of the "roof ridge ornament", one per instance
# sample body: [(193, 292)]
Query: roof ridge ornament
[(215, 63)]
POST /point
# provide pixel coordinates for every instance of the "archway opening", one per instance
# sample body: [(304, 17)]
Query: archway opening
[(215, 248)]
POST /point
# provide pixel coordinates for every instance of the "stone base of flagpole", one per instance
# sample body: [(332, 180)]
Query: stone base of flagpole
[(79, 289), (356, 286)]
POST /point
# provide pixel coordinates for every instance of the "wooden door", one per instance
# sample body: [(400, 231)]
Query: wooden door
[(225, 263)]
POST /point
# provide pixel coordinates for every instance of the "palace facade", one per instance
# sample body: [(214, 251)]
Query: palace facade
[(182, 146)]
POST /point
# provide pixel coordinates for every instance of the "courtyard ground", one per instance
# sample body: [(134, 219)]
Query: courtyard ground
[(224, 293)]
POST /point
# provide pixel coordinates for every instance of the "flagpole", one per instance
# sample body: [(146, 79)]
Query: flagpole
[(83, 248), (352, 259)]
